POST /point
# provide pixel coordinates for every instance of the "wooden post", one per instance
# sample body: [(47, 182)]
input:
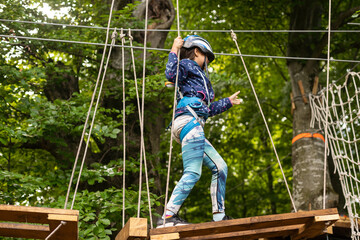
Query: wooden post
[(316, 85), (293, 107), (302, 91), (134, 228)]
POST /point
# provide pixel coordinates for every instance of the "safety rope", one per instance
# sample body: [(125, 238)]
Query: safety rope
[(142, 149), (234, 38), (122, 37), (89, 111), (327, 112), (173, 114)]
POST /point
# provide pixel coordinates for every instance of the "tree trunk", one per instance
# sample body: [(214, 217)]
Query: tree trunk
[(307, 153)]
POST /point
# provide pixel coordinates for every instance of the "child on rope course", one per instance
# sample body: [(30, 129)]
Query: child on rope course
[(195, 105)]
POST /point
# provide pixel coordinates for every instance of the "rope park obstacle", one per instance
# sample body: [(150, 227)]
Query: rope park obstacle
[(297, 225)]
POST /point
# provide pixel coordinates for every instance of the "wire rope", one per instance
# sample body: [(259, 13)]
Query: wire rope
[(168, 50), (191, 30)]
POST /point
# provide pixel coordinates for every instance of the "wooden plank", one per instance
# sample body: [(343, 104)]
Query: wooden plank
[(244, 224), (134, 228), (316, 228), (25, 214), (67, 218), (252, 234), (69, 231), (22, 230), (327, 218), (169, 236)]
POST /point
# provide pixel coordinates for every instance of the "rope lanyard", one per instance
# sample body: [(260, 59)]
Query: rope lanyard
[(142, 149), (173, 114), (234, 38), (89, 111), (327, 99)]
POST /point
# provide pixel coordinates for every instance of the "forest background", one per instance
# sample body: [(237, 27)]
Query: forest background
[(46, 88)]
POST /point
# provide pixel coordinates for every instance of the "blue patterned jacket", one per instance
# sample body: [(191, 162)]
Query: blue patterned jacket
[(191, 84)]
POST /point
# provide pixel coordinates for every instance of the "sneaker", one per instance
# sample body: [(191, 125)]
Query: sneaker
[(173, 221), (226, 217)]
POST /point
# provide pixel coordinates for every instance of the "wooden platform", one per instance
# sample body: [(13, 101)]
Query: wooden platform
[(38, 223), (135, 228), (301, 225)]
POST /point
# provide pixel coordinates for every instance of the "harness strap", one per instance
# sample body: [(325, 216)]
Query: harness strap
[(188, 127), (308, 135)]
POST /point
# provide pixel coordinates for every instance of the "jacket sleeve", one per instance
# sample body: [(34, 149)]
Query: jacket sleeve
[(171, 69), (219, 106)]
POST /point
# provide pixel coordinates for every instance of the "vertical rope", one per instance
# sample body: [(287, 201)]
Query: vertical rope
[(122, 36), (173, 114), (89, 111), (90, 106), (94, 115), (233, 35), (327, 99), (142, 152)]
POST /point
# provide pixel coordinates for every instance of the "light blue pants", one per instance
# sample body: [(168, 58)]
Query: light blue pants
[(197, 150)]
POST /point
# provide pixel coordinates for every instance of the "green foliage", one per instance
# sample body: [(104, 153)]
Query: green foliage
[(46, 88)]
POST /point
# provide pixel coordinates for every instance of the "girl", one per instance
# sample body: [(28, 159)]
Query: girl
[(195, 105)]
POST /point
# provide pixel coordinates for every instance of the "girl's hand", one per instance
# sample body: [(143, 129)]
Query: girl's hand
[(234, 99), (178, 43)]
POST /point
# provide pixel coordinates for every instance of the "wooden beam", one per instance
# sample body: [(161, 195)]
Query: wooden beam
[(22, 230), (24, 214), (316, 85), (327, 218), (134, 228), (302, 91), (169, 236), (251, 234), (14, 217), (244, 224)]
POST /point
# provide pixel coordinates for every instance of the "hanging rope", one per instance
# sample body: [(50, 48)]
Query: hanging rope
[(122, 37), (234, 38), (327, 99), (114, 35), (173, 114), (142, 149), (89, 111)]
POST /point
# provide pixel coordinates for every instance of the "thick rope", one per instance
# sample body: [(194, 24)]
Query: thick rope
[(142, 152), (114, 35), (122, 37), (142, 144), (327, 99), (173, 114), (234, 37), (89, 111)]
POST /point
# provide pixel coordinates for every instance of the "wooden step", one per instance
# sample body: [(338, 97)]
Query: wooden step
[(300, 225), (38, 223)]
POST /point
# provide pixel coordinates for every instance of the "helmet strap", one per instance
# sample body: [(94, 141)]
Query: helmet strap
[(206, 68)]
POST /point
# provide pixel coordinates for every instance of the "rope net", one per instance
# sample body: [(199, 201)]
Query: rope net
[(341, 117)]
